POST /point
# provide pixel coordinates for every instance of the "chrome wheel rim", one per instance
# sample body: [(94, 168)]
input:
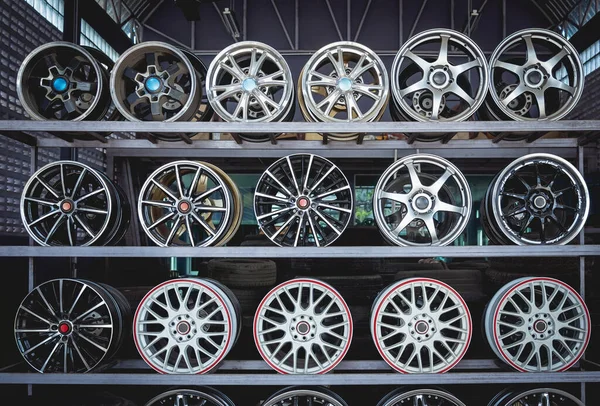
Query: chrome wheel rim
[(303, 200), (185, 203), (343, 82), (444, 90), (65, 325), (303, 326), (561, 76), (154, 81), (191, 397), (304, 397), (539, 397), (421, 325), (539, 199), (184, 326), (62, 81), (250, 82), (420, 397), (67, 203), (413, 208), (538, 324)]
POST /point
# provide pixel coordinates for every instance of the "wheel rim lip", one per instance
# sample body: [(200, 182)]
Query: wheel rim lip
[(395, 398), (171, 165), (24, 65), (206, 394), (163, 47), (565, 43), (88, 286), (100, 179), (568, 169), (283, 160), (430, 159), (391, 289), (374, 111), (478, 54), (581, 351), (286, 99), (325, 286), (514, 398), (321, 394), (215, 294)]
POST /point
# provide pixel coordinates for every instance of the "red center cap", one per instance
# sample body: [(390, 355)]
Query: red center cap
[(303, 202), (67, 206), (64, 328), (184, 207)]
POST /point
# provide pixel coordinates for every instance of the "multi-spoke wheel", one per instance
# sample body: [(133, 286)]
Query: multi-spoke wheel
[(420, 397), (154, 81), (343, 82), (538, 324), (303, 326), (442, 87), (191, 204), (68, 325), (299, 396), (303, 200), (69, 203), (421, 325), (191, 397), (251, 82), (422, 200), (537, 199), (63, 81), (186, 326), (536, 397), (535, 74)]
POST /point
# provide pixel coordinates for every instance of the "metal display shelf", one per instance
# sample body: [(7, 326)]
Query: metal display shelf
[(305, 252)]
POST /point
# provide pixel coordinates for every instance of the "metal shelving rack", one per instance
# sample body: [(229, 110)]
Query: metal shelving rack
[(348, 372)]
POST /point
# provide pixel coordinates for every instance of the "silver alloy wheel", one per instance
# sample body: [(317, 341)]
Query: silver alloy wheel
[(303, 200), (185, 203), (299, 396), (303, 326), (62, 81), (185, 326), (191, 397), (539, 199), (67, 203), (538, 397), (344, 82), (66, 325), (538, 324), (420, 397), (155, 81), (250, 82), (421, 325), (555, 84), (444, 89), (412, 207)]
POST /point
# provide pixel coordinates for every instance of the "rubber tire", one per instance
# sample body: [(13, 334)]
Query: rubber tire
[(467, 282), (249, 299), (243, 273)]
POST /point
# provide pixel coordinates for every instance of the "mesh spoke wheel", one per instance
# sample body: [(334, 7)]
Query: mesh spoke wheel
[(303, 326), (538, 324), (303, 200), (421, 325), (529, 86), (63, 81), (185, 326), (69, 203), (154, 81), (433, 88), (414, 204), (191, 397), (538, 397), (537, 199), (187, 203), (298, 396), (68, 325), (420, 397)]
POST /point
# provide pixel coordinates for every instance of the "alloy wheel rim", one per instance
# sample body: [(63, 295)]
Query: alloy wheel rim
[(539, 397), (420, 397), (191, 397), (305, 397)]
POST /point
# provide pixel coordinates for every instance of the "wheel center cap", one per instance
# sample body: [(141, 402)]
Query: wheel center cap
[(249, 84), (153, 84), (421, 327), (422, 203), (534, 77), (303, 328), (67, 206), (345, 84), (184, 207), (303, 202), (540, 326), (539, 202), (64, 327), (60, 84), (183, 327), (439, 78)]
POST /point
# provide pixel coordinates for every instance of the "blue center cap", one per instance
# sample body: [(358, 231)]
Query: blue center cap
[(249, 84), (60, 84), (153, 84), (345, 84)]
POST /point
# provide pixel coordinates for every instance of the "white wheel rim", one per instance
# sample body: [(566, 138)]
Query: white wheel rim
[(309, 335), (539, 324), (420, 397), (420, 316), (190, 336)]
